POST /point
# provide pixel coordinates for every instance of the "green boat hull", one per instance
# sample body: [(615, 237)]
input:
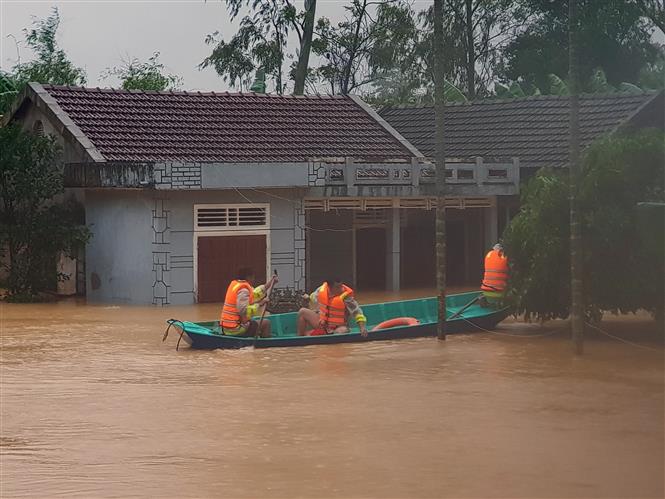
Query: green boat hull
[(207, 335)]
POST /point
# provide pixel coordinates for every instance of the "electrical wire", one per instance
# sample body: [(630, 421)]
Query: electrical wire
[(637, 345), (508, 334)]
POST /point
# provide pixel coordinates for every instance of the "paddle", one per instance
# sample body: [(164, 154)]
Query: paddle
[(465, 307), (263, 314)]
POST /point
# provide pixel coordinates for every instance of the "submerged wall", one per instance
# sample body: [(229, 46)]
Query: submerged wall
[(143, 245)]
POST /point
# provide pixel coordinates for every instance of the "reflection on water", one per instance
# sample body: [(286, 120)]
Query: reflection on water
[(93, 404)]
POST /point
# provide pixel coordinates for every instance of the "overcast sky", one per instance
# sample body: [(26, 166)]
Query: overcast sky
[(97, 34)]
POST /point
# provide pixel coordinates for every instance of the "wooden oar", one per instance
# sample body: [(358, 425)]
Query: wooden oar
[(263, 314), (459, 312)]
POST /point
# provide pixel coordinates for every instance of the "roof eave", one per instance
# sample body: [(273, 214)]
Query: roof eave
[(46, 103)]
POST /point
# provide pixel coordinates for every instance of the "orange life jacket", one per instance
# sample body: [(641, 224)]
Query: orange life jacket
[(332, 310), (230, 318), (496, 272)]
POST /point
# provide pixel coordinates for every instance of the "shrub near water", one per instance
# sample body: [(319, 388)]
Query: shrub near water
[(622, 271), (34, 225)]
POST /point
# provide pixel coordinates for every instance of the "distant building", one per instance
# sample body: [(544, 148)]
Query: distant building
[(180, 189), (533, 129)]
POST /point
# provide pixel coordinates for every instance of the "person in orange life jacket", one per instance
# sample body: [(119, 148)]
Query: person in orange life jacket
[(242, 302), (336, 304), (495, 279)]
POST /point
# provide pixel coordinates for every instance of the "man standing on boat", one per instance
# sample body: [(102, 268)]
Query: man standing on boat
[(336, 305), (242, 302), (495, 279)]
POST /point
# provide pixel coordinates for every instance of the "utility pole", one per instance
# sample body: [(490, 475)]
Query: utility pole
[(439, 109), (576, 288)]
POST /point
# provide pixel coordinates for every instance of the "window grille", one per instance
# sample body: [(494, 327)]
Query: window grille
[(231, 217)]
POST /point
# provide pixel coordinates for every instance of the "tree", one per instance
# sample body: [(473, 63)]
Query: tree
[(440, 179), (614, 35), (622, 268), (9, 89), (34, 227), (305, 47), (148, 75), (348, 46), (479, 31), (261, 43), (50, 65), (654, 10), (576, 269)]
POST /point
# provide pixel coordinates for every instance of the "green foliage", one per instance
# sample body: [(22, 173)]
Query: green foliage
[(558, 86), (260, 42), (34, 226), (9, 89), (356, 48), (148, 75), (614, 36), (652, 75), (50, 64), (622, 273)]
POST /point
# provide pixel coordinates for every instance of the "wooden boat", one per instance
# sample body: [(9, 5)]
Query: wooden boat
[(472, 318)]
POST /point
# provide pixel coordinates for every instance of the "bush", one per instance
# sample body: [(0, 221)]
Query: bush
[(622, 272), (34, 227)]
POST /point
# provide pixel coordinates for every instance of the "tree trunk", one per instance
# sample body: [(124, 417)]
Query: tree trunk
[(439, 102), (470, 52), (303, 58), (577, 305), (346, 75)]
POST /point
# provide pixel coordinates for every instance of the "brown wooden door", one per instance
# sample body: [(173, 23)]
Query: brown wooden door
[(220, 257)]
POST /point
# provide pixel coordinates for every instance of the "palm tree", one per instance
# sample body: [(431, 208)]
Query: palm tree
[(577, 306), (439, 100)]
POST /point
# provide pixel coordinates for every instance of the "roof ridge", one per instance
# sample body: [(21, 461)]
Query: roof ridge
[(488, 100), (211, 93)]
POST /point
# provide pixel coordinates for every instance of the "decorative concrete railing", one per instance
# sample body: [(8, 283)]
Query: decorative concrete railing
[(336, 178), (477, 173)]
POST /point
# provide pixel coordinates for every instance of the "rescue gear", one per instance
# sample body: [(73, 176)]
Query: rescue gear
[(496, 272), (230, 318), (396, 322)]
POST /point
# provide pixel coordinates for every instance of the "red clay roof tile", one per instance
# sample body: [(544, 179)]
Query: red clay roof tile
[(218, 127)]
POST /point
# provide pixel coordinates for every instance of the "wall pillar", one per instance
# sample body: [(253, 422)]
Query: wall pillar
[(393, 249)]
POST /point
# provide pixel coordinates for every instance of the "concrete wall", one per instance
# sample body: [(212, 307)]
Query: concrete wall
[(143, 246), (28, 117), (287, 245), (119, 264)]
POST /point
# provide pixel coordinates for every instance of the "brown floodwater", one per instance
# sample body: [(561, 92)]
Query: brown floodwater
[(93, 404)]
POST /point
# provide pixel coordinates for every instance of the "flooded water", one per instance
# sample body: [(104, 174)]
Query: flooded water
[(94, 405)]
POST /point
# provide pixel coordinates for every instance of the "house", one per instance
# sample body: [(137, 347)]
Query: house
[(181, 188), (534, 129)]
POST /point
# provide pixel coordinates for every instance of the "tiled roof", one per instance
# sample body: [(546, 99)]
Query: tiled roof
[(223, 127), (534, 129)]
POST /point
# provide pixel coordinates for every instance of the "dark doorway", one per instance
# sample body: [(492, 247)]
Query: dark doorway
[(371, 258), (418, 256), (220, 257), (455, 257), (418, 252)]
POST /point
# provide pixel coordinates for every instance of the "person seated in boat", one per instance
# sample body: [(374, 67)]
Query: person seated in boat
[(495, 279), (336, 304), (242, 302)]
